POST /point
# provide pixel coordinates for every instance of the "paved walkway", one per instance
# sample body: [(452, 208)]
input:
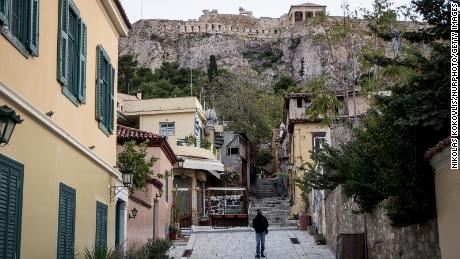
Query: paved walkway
[(241, 243)]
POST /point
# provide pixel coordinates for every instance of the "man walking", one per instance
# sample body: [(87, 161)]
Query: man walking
[(260, 225)]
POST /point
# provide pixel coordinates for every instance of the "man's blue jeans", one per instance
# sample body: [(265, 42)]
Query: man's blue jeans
[(260, 247)]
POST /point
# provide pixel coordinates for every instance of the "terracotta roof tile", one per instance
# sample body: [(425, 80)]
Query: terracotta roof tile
[(437, 149), (127, 133)]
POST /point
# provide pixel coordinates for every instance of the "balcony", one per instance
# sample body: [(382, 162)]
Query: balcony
[(183, 147)]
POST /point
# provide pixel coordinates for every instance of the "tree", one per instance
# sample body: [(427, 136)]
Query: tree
[(247, 108), (302, 68), (324, 104), (283, 84), (384, 163), (127, 66), (212, 69), (134, 157), (167, 81)]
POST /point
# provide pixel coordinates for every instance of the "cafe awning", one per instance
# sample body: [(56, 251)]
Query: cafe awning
[(212, 166)]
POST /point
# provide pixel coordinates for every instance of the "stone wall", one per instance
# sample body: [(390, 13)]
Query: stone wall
[(228, 204), (383, 240)]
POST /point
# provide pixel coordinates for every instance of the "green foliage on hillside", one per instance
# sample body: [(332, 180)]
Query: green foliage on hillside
[(265, 58), (212, 69), (248, 109), (384, 163), (167, 81), (285, 84)]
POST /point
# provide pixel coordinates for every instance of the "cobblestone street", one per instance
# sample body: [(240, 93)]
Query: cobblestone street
[(241, 244)]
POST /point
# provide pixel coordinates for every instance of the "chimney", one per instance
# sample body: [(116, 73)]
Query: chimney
[(139, 94)]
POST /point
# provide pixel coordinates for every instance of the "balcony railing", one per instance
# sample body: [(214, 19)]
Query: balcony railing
[(193, 143)]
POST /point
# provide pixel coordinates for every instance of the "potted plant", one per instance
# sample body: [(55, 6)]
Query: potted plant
[(172, 231), (304, 217)]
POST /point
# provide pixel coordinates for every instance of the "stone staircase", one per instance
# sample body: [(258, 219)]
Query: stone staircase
[(273, 206)]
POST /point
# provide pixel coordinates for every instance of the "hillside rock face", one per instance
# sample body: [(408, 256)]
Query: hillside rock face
[(260, 48)]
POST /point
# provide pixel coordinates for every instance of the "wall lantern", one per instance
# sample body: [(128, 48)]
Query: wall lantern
[(8, 120), (180, 163), (127, 175), (133, 213), (159, 194)]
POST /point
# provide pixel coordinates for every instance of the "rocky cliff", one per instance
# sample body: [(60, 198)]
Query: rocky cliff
[(261, 48)]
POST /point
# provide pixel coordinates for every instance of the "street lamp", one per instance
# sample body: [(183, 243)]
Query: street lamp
[(133, 213), (8, 120), (180, 163), (159, 194), (127, 175)]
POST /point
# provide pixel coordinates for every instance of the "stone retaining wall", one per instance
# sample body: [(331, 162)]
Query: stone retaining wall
[(383, 240)]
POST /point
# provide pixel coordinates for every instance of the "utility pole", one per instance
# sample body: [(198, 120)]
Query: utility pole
[(142, 9), (191, 81)]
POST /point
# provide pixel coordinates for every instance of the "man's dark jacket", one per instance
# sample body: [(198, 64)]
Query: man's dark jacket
[(260, 224)]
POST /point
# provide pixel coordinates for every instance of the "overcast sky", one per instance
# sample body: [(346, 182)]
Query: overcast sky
[(192, 9)]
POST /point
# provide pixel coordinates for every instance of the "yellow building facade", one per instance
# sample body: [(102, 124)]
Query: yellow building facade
[(299, 138), (64, 159), (447, 186), (178, 118), (303, 138)]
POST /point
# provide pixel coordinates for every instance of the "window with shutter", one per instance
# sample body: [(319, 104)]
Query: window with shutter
[(72, 46), (101, 225), (33, 25), (66, 222), (82, 62), (11, 181), (20, 19), (105, 91), (4, 12)]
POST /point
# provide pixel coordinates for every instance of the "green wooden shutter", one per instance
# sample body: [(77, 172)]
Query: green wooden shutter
[(4, 11), (63, 44), (11, 179), (111, 99), (101, 225), (33, 37), (100, 89), (66, 222), (82, 63)]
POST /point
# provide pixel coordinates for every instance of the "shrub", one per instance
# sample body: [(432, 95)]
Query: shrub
[(98, 252), (157, 249)]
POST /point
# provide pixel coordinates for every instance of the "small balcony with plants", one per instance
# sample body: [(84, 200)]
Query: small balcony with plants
[(194, 147)]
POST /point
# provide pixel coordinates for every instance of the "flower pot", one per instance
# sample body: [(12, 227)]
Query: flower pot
[(304, 221), (173, 235)]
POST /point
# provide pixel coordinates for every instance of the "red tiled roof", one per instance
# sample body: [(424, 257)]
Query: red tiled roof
[(437, 149), (123, 13), (126, 134)]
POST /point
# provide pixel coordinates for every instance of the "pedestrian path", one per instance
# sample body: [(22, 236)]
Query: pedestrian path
[(280, 244)]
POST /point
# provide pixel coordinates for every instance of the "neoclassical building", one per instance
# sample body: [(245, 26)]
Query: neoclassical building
[(300, 13)]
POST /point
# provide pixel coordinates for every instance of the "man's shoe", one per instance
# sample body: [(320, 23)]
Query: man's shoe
[(263, 256), (257, 256)]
